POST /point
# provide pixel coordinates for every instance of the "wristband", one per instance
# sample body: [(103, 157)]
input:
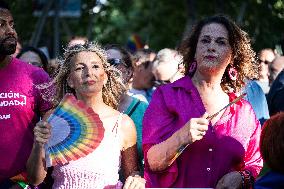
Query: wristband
[(23, 184), (247, 179), (178, 153)]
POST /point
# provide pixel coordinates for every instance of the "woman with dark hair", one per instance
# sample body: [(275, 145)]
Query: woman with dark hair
[(34, 56), (121, 59), (272, 151), (185, 142)]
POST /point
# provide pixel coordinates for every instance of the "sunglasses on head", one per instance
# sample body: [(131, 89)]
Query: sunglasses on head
[(115, 61)]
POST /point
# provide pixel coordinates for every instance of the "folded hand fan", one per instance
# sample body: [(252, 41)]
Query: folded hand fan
[(76, 131)]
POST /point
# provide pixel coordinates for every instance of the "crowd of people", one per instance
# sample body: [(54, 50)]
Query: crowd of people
[(197, 116)]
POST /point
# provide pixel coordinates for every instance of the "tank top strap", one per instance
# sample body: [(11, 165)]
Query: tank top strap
[(117, 124)]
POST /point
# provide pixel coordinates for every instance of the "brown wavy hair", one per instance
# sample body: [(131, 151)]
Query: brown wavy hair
[(244, 58), (111, 91), (272, 142)]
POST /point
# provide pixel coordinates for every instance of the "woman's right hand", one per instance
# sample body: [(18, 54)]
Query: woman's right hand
[(42, 133), (134, 182), (195, 129)]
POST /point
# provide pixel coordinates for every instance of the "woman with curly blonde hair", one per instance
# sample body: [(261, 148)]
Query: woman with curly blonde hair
[(111, 90), (186, 143), (85, 73)]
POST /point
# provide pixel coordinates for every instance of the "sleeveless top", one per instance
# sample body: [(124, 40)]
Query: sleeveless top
[(98, 169)]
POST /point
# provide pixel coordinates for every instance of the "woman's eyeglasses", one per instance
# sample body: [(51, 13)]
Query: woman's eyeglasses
[(163, 82), (158, 83), (265, 62), (36, 64), (116, 61)]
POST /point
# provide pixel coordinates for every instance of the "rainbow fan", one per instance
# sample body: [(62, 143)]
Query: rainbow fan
[(76, 131)]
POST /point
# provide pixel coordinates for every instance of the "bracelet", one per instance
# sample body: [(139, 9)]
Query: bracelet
[(21, 180), (135, 173), (247, 179), (23, 184), (178, 153)]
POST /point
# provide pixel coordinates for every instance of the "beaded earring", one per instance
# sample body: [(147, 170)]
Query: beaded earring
[(233, 73), (192, 68)]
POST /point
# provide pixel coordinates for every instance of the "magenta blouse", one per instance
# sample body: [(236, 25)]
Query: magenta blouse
[(232, 144)]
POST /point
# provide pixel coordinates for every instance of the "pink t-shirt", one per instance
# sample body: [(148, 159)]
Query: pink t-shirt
[(20, 104)]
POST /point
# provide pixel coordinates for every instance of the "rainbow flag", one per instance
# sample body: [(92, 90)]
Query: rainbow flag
[(134, 43)]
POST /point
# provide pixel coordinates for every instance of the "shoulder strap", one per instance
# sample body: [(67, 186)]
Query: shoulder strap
[(117, 123), (120, 117), (134, 107)]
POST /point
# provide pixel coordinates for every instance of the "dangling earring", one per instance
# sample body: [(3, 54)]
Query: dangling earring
[(192, 68), (65, 87), (104, 86), (233, 74)]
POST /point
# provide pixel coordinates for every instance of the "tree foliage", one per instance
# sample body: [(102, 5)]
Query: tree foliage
[(159, 23)]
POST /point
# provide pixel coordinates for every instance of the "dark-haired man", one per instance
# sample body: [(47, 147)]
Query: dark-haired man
[(275, 97), (21, 103), (266, 56), (143, 78)]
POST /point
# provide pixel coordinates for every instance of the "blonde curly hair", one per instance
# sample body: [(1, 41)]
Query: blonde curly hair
[(244, 58), (111, 91)]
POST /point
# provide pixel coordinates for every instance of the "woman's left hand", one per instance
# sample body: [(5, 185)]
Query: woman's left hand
[(134, 182), (232, 180)]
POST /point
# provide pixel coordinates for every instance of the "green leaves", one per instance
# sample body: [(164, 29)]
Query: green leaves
[(159, 23)]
